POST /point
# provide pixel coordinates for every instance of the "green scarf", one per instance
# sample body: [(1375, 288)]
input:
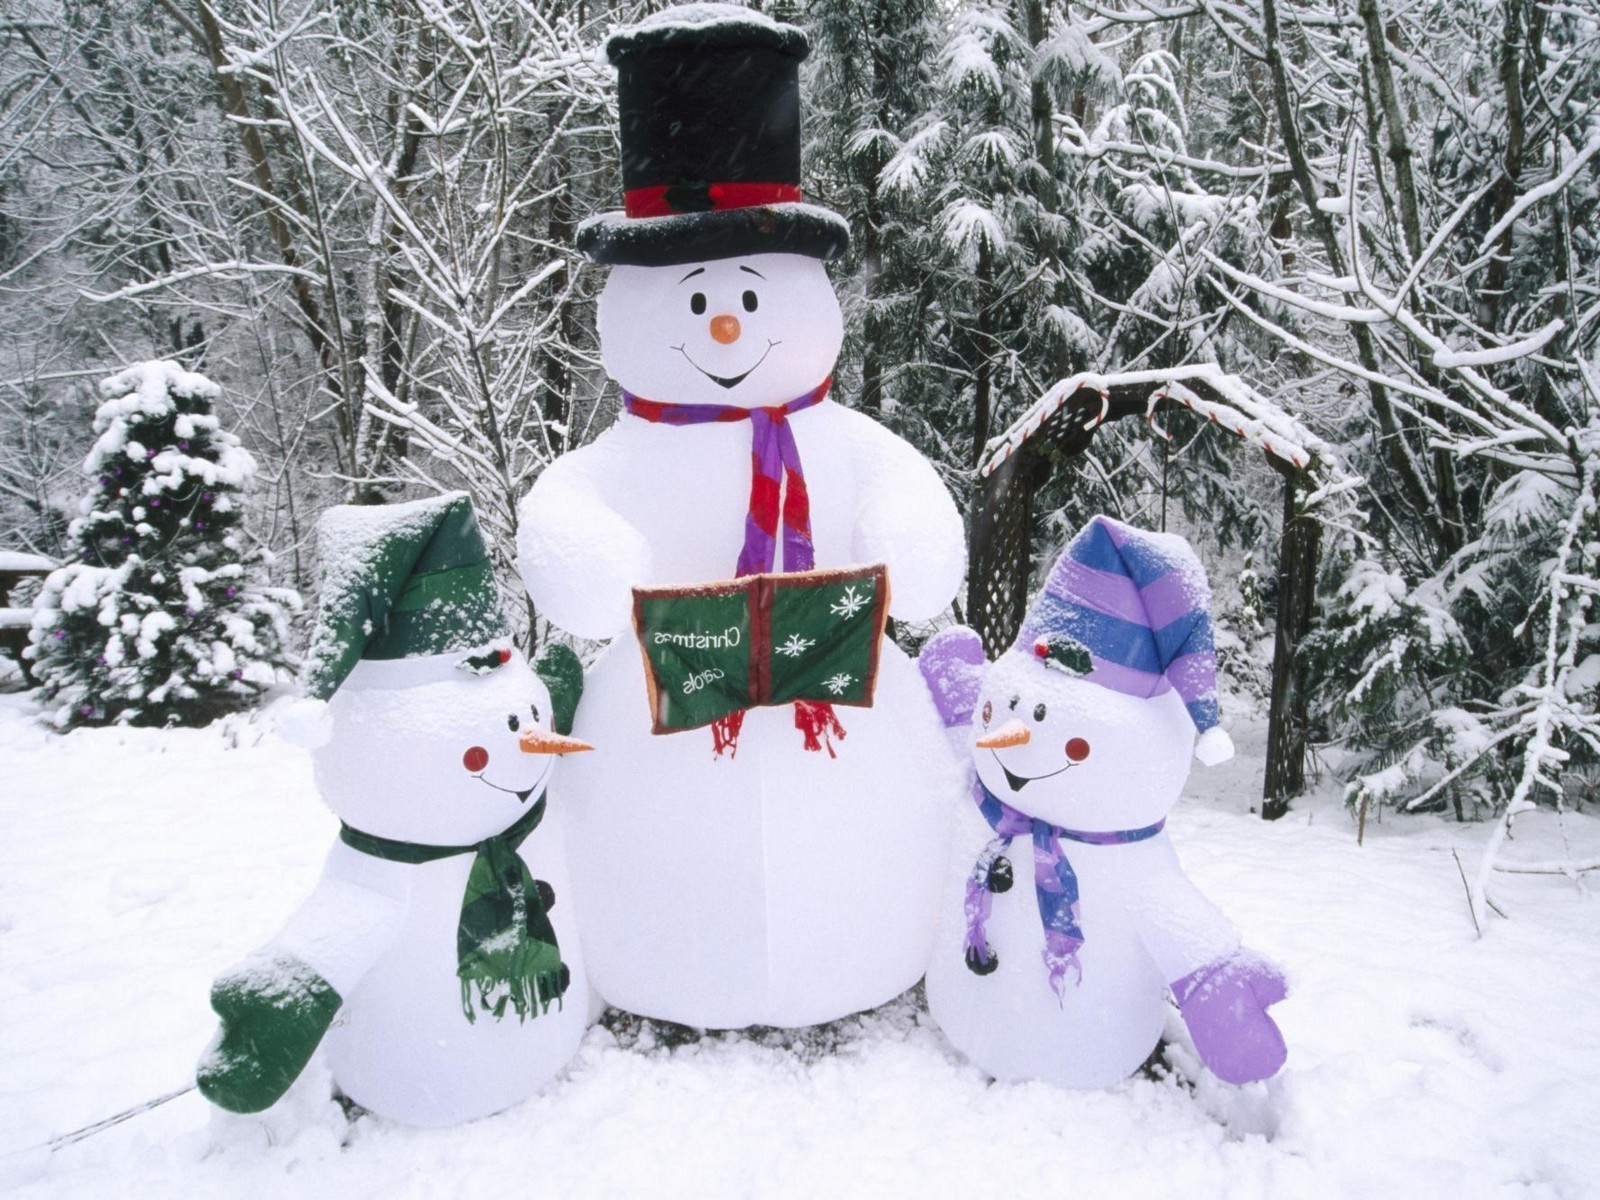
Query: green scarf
[(506, 949)]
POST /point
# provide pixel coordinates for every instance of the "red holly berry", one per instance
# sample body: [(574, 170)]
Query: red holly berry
[(1077, 749), (505, 656), (475, 759)]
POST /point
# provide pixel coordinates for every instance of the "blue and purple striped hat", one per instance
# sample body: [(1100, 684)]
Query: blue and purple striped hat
[(1139, 604)]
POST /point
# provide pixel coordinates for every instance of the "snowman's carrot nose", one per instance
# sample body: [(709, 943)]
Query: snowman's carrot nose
[(545, 741), (725, 328), (1012, 733)]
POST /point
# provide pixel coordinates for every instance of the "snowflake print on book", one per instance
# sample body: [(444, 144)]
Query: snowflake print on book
[(849, 604), (793, 637), (795, 646)]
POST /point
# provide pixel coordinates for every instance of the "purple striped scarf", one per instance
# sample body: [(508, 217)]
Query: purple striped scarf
[(1055, 884), (774, 458)]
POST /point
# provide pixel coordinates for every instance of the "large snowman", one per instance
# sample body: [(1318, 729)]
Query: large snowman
[(1068, 918), (766, 884), (437, 962)]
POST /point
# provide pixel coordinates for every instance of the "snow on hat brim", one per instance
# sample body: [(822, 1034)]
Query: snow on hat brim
[(1140, 604), (615, 239), (400, 581)]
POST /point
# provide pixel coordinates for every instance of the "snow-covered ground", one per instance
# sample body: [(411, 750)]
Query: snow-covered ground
[(1423, 1062)]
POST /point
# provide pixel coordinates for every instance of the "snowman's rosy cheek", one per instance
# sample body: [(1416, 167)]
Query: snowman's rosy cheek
[(1077, 749), (475, 759)]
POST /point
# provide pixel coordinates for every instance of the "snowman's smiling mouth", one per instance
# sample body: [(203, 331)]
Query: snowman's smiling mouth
[(1018, 782), (727, 381), (521, 794)]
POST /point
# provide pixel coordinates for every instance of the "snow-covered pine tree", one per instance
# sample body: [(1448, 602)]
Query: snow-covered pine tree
[(161, 619), (971, 163), (869, 80), (1151, 197)]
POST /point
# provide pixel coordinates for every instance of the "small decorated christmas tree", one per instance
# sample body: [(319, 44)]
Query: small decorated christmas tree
[(162, 617)]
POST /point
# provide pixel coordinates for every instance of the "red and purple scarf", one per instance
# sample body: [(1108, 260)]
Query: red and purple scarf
[(774, 460), (1055, 884), (777, 493)]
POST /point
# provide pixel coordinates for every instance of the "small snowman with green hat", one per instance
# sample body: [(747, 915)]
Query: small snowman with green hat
[(434, 961)]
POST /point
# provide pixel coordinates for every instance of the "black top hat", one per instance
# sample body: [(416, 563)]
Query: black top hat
[(709, 96)]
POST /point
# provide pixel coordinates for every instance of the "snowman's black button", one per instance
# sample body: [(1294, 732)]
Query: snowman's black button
[(564, 980), (981, 966), (547, 894), (1000, 876)]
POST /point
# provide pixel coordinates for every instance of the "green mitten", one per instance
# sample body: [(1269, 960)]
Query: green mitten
[(274, 1014), (562, 672)]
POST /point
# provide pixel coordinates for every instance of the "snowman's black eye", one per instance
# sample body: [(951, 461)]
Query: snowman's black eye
[(512, 723), (1013, 705), (750, 302), (534, 709), (988, 712), (697, 303), (1038, 712)]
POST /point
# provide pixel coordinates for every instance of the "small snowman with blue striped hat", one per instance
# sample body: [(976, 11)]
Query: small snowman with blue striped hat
[(1081, 736)]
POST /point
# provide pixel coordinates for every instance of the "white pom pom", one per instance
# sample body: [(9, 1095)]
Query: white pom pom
[(1213, 746), (303, 721)]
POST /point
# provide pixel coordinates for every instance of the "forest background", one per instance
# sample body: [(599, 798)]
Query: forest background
[(356, 217)]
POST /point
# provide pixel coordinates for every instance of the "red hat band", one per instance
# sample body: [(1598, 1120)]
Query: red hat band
[(670, 199)]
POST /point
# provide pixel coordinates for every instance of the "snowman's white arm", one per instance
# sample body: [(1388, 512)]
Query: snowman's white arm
[(578, 556), (906, 518), (342, 928), (275, 1007), (1180, 928)]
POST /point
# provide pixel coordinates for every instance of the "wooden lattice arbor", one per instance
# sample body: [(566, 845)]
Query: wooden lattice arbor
[(1061, 426)]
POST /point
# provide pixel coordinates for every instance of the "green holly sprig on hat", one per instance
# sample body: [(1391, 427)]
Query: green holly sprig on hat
[(1063, 654)]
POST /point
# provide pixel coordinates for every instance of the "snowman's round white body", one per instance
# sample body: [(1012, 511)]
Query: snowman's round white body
[(436, 763), (1144, 924), (772, 885), (437, 963), (1068, 918)]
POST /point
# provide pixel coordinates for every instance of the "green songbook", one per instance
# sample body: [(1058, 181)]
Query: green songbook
[(715, 649)]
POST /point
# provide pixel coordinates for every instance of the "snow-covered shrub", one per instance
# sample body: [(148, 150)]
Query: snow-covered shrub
[(1243, 640), (1471, 686), (1379, 661), (161, 618)]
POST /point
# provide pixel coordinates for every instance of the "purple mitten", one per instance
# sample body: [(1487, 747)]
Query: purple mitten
[(1225, 1004), (952, 662)]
